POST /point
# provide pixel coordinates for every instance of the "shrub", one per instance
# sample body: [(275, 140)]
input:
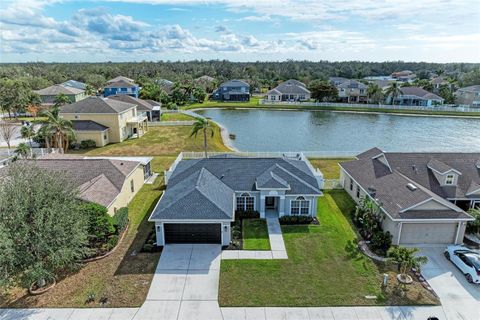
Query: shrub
[(286, 220), (147, 247), (100, 224), (112, 242), (247, 214), (474, 226), (381, 242), (88, 144), (120, 219)]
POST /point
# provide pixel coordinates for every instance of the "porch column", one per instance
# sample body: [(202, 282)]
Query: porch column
[(281, 207), (262, 207)]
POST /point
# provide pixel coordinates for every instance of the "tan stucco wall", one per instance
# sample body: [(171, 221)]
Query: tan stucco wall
[(126, 195), (96, 136)]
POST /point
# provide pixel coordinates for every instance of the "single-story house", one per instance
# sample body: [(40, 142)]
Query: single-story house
[(48, 94), (422, 196), (203, 195), (111, 182), (468, 96), (233, 90), (416, 96), (92, 115), (290, 90)]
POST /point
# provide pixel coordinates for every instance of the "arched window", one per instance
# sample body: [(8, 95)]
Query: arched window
[(300, 206), (245, 202)]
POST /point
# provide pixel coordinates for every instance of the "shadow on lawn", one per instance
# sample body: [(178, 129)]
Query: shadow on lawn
[(134, 261)]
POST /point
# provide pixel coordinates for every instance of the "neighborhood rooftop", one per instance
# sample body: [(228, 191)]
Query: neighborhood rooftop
[(97, 105), (57, 89)]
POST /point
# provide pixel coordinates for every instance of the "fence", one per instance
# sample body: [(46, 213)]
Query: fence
[(6, 157), (275, 154), (332, 184), (438, 108)]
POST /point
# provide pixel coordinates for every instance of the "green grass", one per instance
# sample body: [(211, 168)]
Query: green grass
[(324, 268), (329, 167), (255, 234), (254, 102), (176, 117)]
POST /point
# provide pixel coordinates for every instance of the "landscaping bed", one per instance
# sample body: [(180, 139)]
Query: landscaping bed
[(324, 268)]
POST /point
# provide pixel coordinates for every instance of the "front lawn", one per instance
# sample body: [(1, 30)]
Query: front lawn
[(255, 234), (324, 268), (123, 277)]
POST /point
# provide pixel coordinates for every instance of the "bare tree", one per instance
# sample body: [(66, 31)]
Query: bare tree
[(7, 132)]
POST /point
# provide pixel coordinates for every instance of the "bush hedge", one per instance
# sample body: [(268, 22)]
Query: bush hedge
[(120, 219), (287, 220), (247, 214), (88, 144), (381, 242)]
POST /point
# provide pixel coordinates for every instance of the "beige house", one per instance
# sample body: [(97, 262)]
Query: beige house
[(105, 120), (468, 96), (111, 181), (48, 95)]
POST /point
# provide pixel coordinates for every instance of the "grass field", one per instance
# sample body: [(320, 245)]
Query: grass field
[(324, 268), (329, 167), (255, 234), (176, 117)]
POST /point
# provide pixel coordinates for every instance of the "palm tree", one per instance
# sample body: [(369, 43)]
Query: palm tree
[(60, 100), (27, 132), (406, 259), (204, 125), (22, 150), (373, 90), (393, 91), (59, 128)]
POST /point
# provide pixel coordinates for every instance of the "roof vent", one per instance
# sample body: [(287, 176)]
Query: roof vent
[(372, 191), (411, 186), (414, 168)]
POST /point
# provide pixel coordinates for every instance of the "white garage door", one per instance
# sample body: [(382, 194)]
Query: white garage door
[(428, 233)]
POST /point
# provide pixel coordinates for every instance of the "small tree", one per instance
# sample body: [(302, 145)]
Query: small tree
[(7, 132), (27, 132), (23, 150), (393, 91), (38, 239), (61, 100), (204, 126), (322, 90), (406, 259), (474, 226), (367, 217)]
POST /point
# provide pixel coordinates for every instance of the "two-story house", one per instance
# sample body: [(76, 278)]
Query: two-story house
[(121, 85), (233, 90), (351, 91), (48, 94), (468, 96), (105, 120)]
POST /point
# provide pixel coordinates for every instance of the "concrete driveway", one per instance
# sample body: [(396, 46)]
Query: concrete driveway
[(185, 284), (460, 299)]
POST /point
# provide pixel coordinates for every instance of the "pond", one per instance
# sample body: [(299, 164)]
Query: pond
[(328, 131)]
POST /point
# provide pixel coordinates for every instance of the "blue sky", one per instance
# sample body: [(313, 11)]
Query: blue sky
[(245, 30)]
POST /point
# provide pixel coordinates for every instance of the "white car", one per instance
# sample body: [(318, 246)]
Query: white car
[(466, 260)]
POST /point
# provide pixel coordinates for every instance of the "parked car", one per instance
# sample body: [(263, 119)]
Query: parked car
[(466, 260)]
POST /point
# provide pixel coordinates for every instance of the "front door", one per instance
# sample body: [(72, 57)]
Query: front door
[(270, 202)]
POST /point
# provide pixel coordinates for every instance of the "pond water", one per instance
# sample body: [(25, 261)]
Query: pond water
[(328, 131)]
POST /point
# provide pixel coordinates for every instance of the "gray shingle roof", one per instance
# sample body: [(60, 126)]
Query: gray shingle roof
[(57, 89), (235, 83), (352, 84), (291, 87), (97, 105), (121, 84), (413, 168), (200, 196), (75, 84), (121, 78), (99, 180), (88, 125), (270, 180), (474, 88), (419, 92), (142, 105)]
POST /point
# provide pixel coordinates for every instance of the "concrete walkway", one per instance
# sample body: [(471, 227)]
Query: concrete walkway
[(277, 245)]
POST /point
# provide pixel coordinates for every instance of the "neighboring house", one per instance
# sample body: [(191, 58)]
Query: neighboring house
[(111, 182), (233, 90), (48, 94), (351, 91), (120, 78), (121, 118), (206, 82), (468, 96), (165, 85), (335, 81), (382, 84), (75, 84), (143, 106), (438, 82), (203, 195), (416, 96), (290, 90), (404, 76), (121, 86), (422, 196)]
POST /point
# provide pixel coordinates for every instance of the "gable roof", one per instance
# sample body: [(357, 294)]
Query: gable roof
[(97, 105), (199, 196), (75, 84), (290, 87), (419, 92), (270, 180), (57, 89), (142, 105), (120, 78), (121, 84), (87, 125), (351, 84), (98, 180)]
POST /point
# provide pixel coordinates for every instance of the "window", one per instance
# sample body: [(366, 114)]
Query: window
[(245, 202), (300, 206), (351, 184), (132, 186), (449, 179), (104, 137), (358, 191), (77, 117)]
